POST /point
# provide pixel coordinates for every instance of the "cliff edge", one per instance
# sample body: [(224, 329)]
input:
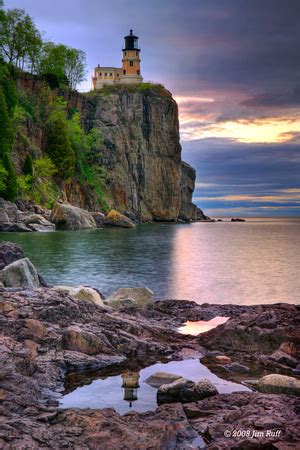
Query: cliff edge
[(141, 152)]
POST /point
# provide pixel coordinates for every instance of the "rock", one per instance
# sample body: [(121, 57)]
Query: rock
[(85, 342), (236, 367), (99, 218), (116, 219), (222, 359), (38, 223), (158, 378), (82, 293), (289, 348), (20, 273), (139, 298), (185, 391), (237, 219), (68, 217), (201, 217), (283, 358), (9, 253), (188, 211), (279, 384), (10, 217)]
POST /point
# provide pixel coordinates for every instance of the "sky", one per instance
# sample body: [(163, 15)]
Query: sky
[(234, 68)]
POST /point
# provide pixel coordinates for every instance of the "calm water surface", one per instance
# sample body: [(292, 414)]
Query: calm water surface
[(109, 392), (256, 261)]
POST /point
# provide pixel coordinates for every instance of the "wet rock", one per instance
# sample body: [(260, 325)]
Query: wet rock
[(86, 342), (159, 378), (279, 384), (82, 293), (136, 298), (68, 217), (116, 219), (10, 217), (236, 367), (9, 253), (36, 222), (99, 218), (184, 391), (283, 358), (237, 219), (20, 273), (222, 359)]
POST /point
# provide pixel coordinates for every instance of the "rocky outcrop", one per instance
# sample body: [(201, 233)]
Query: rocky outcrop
[(20, 273), (26, 219), (159, 378), (82, 293), (116, 219), (185, 391), (141, 152), (68, 217)]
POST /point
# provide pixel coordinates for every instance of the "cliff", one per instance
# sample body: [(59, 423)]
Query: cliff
[(140, 151)]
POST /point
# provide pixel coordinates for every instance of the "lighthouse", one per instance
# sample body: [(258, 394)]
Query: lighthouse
[(130, 73)]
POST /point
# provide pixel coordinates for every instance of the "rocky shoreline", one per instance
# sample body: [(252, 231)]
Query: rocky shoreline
[(50, 332)]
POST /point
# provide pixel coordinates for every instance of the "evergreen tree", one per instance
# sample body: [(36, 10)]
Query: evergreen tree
[(6, 131), (9, 192), (28, 166), (58, 145)]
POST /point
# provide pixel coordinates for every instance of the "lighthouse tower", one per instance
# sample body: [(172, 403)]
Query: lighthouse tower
[(131, 62), (129, 73)]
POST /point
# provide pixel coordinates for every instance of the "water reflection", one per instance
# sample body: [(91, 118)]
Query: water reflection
[(130, 386), (201, 326), (125, 390)]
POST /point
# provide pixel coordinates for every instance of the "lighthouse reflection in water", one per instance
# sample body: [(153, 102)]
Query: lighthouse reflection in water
[(130, 386)]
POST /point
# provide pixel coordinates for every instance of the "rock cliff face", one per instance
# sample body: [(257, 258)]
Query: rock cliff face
[(141, 153)]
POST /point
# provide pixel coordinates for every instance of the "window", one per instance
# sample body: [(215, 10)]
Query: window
[(131, 63), (125, 53), (110, 74), (100, 74), (124, 72), (105, 74), (118, 74), (138, 72), (136, 53)]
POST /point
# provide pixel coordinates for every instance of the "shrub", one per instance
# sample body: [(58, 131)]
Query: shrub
[(28, 166), (10, 187)]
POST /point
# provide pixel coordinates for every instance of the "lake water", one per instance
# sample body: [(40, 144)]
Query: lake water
[(257, 261)]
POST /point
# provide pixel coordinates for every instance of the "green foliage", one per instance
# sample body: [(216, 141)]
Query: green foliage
[(10, 92), (39, 187), (58, 145), (6, 130), (3, 177), (28, 166), (9, 191)]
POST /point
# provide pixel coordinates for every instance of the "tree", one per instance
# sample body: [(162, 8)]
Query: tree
[(58, 144), (20, 41), (28, 166), (10, 188), (64, 63)]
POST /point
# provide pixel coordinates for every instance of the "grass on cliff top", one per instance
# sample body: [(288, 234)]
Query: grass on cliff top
[(145, 88)]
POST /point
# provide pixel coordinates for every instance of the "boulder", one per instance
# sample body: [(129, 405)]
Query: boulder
[(279, 384), (284, 359), (158, 378), (139, 298), (9, 253), (82, 293), (20, 273), (222, 359), (116, 219), (236, 367), (237, 219), (99, 218), (185, 391), (68, 217), (36, 222)]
